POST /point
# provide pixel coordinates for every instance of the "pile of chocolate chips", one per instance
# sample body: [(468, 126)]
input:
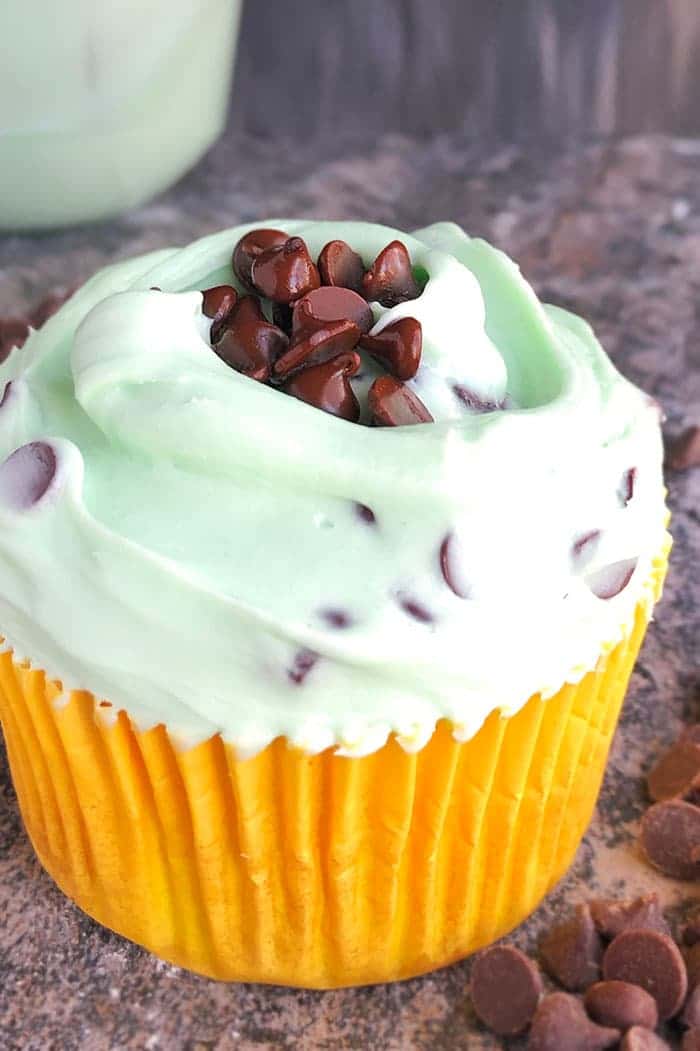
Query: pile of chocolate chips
[(621, 957), (320, 317), (670, 833)]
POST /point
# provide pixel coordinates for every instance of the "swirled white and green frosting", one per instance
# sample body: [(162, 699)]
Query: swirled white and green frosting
[(201, 557)]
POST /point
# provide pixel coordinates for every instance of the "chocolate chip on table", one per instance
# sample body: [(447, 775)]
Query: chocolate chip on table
[(250, 246), (248, 342), (670, 838), (691, 1011), (683, 451), (691, 1040), (339, 265), (626, 490), (397, 347), (393, 404), (675, 772), (613, 917), (505, 989), (653, 961), (327, 386), (390, 279), (572, 951), (609, 581), (447, 559), (640, 1039), (621, 1005), (285, 272), (561, 1024), (331, 304)]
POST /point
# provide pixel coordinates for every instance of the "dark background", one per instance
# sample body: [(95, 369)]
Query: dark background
[(513, 69)]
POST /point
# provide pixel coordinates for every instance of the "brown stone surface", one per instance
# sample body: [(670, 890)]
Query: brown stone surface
[(611, 231)]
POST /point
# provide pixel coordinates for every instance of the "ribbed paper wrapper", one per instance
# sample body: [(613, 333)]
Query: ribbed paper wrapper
[(315, 871)]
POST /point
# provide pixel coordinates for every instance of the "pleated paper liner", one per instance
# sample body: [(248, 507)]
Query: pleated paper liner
[(315, 871)]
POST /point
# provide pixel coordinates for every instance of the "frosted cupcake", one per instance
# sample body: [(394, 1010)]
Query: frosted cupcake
[(325, 555)]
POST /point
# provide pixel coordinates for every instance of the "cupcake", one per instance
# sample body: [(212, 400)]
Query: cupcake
[(325, 555)]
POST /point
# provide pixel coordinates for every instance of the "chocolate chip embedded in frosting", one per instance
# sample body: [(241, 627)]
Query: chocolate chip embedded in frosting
[(397, 347), (390, 279), (561, 1024), (613, 917), (248, 342), (653, 961), (366, 514), (331, 304), (217, 304), (340, 266), (285, 272), (584, 547), (327, 386), (621, 1005), (626, 490), (26, 475), (304, 661), (336, 618), (609, 581), (393, 404), (572, 951), (670, 838), (447, 567), (415, 609), (250, 246), (505, 988)]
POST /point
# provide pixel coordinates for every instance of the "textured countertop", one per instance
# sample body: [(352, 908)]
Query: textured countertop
[(610, 231)]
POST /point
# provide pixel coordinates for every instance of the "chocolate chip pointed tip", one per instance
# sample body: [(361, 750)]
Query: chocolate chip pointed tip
[(561, 1024), (611, 917), (249, 247), (390, 279), (571, 952), (340, 266), (285, 272), (397, 347)]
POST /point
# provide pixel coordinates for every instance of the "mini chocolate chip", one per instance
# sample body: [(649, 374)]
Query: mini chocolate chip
[(315, 342), (366, 514), (653, 961), (691, 1040), (393, 404), (415, 609), (14, 332), (683, 451), (675, 772), (26, 475), (621, 1005), (472, 401), (609, 581), (447, 559), (248, 342), (640, 1039), (691, 1011), (340, 266), (583, 548), (250, 246), (390, 279), (217, 304), (331, 304), (571, 952), (304, 661), (336, 618), (613, 917), (327, 386), (397, 347), (285, 272), (670, 838), (691, 928), (561, 1024), (626, 490), (505, 989)]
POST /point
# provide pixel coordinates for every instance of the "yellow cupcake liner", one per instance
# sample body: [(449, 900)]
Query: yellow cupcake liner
[(316, 871)]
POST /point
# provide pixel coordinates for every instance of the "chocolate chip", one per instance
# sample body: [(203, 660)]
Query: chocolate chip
[(640, 1039), (675, 772), (250, 246), (626, 490), (304, 661), (390, 279), (26, 475), (653, 961), (561, 1024), (282, 316), (621, 1005), (691, 1011), (327, 386), (340, 266), (315, 340), (415, 609), (248, 342), (392, 404), (397, 347), (331, 304), (609, 581), (584, 547), (14, 332), (613, 917), (571, 952), (285, 272), (691, 1040), (217, 304), (447, 560), (366, 514), (683, 451), (505, 989), (336, 618), (472, 401), (670, 838), (691, 929)]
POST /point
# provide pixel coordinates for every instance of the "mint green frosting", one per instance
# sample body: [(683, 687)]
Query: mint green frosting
[(201, 525)]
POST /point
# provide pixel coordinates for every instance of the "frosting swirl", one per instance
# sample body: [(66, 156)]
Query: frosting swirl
[(211, 554)]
